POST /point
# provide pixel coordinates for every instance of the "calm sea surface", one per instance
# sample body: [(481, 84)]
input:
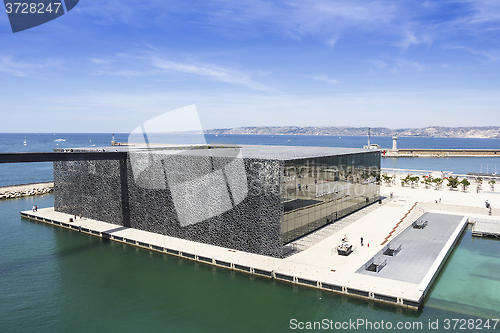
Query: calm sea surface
[(57, 280), (34, 172)]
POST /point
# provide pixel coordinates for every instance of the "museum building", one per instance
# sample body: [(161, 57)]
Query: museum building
[(255, 199)]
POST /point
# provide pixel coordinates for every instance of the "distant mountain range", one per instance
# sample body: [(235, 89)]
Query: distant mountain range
[(489, 132)]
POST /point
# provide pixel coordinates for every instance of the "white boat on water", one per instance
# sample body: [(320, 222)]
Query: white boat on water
[(59, 140), (25, 141)]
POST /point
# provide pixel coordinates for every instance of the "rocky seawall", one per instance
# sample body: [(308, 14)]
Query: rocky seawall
[(18, 191)]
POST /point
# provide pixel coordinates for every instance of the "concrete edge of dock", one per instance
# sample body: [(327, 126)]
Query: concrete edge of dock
[(442, 257)]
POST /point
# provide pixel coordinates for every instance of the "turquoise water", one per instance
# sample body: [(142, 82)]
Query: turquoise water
[(471, 282), (58, 280)]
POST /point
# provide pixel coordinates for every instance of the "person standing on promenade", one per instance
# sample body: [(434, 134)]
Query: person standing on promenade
[(488, 205), (361, 241)]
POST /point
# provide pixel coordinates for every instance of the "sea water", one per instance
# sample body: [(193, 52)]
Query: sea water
[(58, 280), (36, 172)]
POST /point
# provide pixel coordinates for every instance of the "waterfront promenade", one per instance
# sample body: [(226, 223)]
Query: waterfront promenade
[(319, 266)]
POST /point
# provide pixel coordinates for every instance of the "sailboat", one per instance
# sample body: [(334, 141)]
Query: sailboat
[(24, 141)]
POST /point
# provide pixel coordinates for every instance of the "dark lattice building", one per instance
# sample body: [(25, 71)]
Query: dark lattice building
[(250, 198)]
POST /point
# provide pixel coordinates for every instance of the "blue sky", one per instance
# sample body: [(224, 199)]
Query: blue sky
[(108, 66)]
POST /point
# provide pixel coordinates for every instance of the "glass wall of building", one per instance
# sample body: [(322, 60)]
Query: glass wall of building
[(318, 191)]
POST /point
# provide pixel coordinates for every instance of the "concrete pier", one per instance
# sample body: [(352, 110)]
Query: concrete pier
[(319, 266), (415, 152), (485, 227)]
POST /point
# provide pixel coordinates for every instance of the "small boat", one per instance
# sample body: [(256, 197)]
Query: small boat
[(25, 141), (59, 140)]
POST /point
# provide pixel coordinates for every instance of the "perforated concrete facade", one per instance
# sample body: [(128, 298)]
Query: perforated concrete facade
[(253, 198)]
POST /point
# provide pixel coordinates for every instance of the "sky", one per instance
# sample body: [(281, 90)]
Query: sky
[(109, 66)]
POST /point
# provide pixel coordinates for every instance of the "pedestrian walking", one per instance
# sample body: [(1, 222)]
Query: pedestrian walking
[(361, 241)]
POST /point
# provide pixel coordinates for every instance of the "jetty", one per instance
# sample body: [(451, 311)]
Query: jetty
[(414, 152), (483, 227)]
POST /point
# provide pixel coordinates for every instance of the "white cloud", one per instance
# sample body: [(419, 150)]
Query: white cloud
[(16, 68), (324, 78), (22, 68), (209, 71), (490, 55), (404, 63), (130, 65), (396, 23), (482, 11), (378, 63), (100, 61)]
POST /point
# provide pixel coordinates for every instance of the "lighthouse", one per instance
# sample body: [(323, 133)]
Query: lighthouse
[(395, 142)]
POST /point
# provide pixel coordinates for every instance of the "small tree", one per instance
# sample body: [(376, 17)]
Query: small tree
[(414, 180), (427, 181), (453, 182), (438, 182), (405, 180), (465, 183), (409, 179), (387, 179), (492, 184), (479, 183)]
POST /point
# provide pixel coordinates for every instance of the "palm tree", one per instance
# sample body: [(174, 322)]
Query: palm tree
[(427, 181), (453, 182), (465, 183), (479, 182), (438, 182)]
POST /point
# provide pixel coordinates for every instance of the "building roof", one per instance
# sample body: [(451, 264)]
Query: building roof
[(246, 151)]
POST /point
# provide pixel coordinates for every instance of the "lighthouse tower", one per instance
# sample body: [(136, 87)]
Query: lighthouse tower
[(395, 142)]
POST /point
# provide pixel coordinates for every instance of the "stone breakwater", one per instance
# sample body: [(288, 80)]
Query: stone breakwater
[(18, 191)]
